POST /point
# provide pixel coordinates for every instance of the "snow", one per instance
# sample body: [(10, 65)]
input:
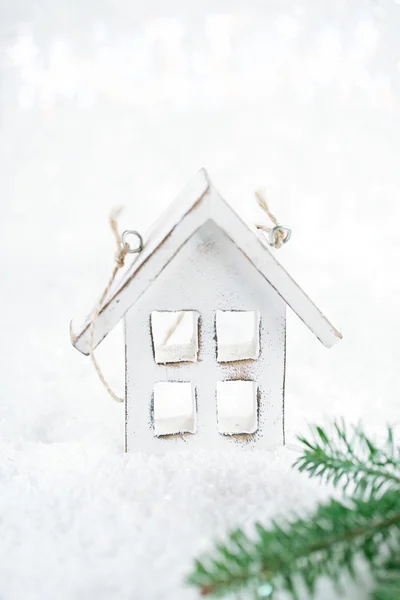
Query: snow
[(102, 107)]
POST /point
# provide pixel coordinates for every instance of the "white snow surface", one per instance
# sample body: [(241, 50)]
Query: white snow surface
[(106, 104)]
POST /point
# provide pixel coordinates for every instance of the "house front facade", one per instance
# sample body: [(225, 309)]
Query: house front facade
[(211, 278)]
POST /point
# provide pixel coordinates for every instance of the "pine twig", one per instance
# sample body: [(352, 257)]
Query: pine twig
[(302, 550), (328, 542), (350, 458)]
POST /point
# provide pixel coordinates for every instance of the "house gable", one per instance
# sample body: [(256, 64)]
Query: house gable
[(198, 203)]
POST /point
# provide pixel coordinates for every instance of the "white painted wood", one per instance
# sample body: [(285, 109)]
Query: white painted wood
[(160, 245), (209, 273), (237, 335), (198, 204), (174, 408), (237, 407), (253, 246), (175, 336)]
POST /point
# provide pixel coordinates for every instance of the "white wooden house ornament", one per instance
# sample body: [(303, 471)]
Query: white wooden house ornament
[(204, 307)]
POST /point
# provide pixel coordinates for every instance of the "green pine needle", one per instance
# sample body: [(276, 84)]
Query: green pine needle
[(350, 458), (295, 554)]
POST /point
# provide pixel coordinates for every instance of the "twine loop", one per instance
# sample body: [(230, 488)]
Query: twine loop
[(277, 235)]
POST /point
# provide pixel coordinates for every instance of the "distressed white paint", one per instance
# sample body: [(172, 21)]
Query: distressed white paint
[(175, 336), (174, 408), (197, 204), (209, 273), (237, 335), (202, 257), (160, 245), (237, 407)]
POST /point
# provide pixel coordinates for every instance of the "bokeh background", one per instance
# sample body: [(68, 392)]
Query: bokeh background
[(106, 104)]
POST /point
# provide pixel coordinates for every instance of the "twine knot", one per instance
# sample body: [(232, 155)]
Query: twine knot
[(120, 256), (277, 235), (279, 238)]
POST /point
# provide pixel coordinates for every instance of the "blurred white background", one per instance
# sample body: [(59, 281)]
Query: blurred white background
[(106, 104)]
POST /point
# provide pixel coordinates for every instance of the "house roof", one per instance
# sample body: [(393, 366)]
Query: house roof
[(198, 203)]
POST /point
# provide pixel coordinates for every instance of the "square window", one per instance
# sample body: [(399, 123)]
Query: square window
[(174, 407), (238, 335), (237, 407), (175, 336)]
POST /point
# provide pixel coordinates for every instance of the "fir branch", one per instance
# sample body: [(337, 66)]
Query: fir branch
[(304, 549), (350, 457)]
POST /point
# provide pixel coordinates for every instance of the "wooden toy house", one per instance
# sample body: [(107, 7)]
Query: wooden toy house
[(204, 307)]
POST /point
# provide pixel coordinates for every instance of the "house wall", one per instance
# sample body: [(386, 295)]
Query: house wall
[(208, 273)]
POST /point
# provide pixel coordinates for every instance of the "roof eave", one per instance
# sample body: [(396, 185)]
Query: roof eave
[(198, 202)]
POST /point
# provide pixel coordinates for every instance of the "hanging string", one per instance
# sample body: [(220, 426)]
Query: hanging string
[(277, 235), (123, 248)]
